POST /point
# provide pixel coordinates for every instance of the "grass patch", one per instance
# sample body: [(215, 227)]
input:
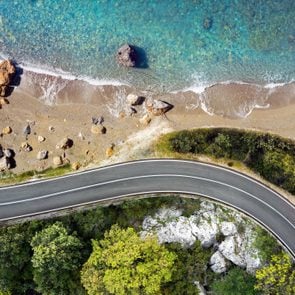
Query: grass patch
[(11, 178), (271, 156)]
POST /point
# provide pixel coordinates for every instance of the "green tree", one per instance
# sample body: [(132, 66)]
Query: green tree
[(190, 267), (123, 263), (15, 257), (56, 261), (237, 281), (278, 277)]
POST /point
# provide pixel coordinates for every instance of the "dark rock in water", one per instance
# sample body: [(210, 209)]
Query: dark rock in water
[(207, 23), (126, 56), (98, 120)]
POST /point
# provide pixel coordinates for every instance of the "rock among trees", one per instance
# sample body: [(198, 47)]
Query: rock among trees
[(7, 71), (126, 56)]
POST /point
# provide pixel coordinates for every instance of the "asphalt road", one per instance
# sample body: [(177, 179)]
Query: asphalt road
[(151, 176)]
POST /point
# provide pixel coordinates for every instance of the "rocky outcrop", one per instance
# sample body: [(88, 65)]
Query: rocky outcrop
[(65, 143), (7, 71), (206, 225), (126, 56), (218, 263), (157, 107), (228, 228)]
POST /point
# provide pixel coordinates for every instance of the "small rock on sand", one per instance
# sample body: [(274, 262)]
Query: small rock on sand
[(65, 143), (145, 120), (25, 147), (57, 161), (42, 155), (76, 165), (110, 151), (6, 130), (41, 138), (98, 129)]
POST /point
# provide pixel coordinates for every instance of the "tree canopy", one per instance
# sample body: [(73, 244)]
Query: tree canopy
[(124, 263), (278, 277), (56, 261)]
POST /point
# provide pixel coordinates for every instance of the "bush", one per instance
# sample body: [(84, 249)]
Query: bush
[(237, 281)]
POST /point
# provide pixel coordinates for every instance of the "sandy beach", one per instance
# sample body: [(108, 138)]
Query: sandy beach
[(67, 107)]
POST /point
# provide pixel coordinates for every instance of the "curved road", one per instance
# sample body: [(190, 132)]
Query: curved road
[(150, 176)]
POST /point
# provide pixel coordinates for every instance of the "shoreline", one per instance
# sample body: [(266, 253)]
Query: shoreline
[(69, 105)]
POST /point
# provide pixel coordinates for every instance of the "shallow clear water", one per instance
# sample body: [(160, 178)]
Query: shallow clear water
[(249, 40)]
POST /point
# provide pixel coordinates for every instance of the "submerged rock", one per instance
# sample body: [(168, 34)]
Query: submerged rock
[(207, 23), (126, 56)]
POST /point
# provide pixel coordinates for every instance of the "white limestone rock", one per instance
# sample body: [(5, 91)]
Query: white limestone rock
[(228, 228), (204, 229), (218, 263)]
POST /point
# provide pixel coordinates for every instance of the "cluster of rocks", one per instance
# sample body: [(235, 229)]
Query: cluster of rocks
[(213, 227), (7, 71), (146, 107), (6, 158)]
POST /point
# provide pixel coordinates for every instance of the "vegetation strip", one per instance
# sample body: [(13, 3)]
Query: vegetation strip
[(271, 156)]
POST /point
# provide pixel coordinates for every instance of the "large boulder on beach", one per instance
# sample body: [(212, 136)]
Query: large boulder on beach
[(7, 66), (157, 107), (5, 163), (7, 70), (126, 56), (65, 143)]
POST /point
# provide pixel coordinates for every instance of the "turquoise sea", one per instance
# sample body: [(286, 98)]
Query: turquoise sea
[(185, 42)]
